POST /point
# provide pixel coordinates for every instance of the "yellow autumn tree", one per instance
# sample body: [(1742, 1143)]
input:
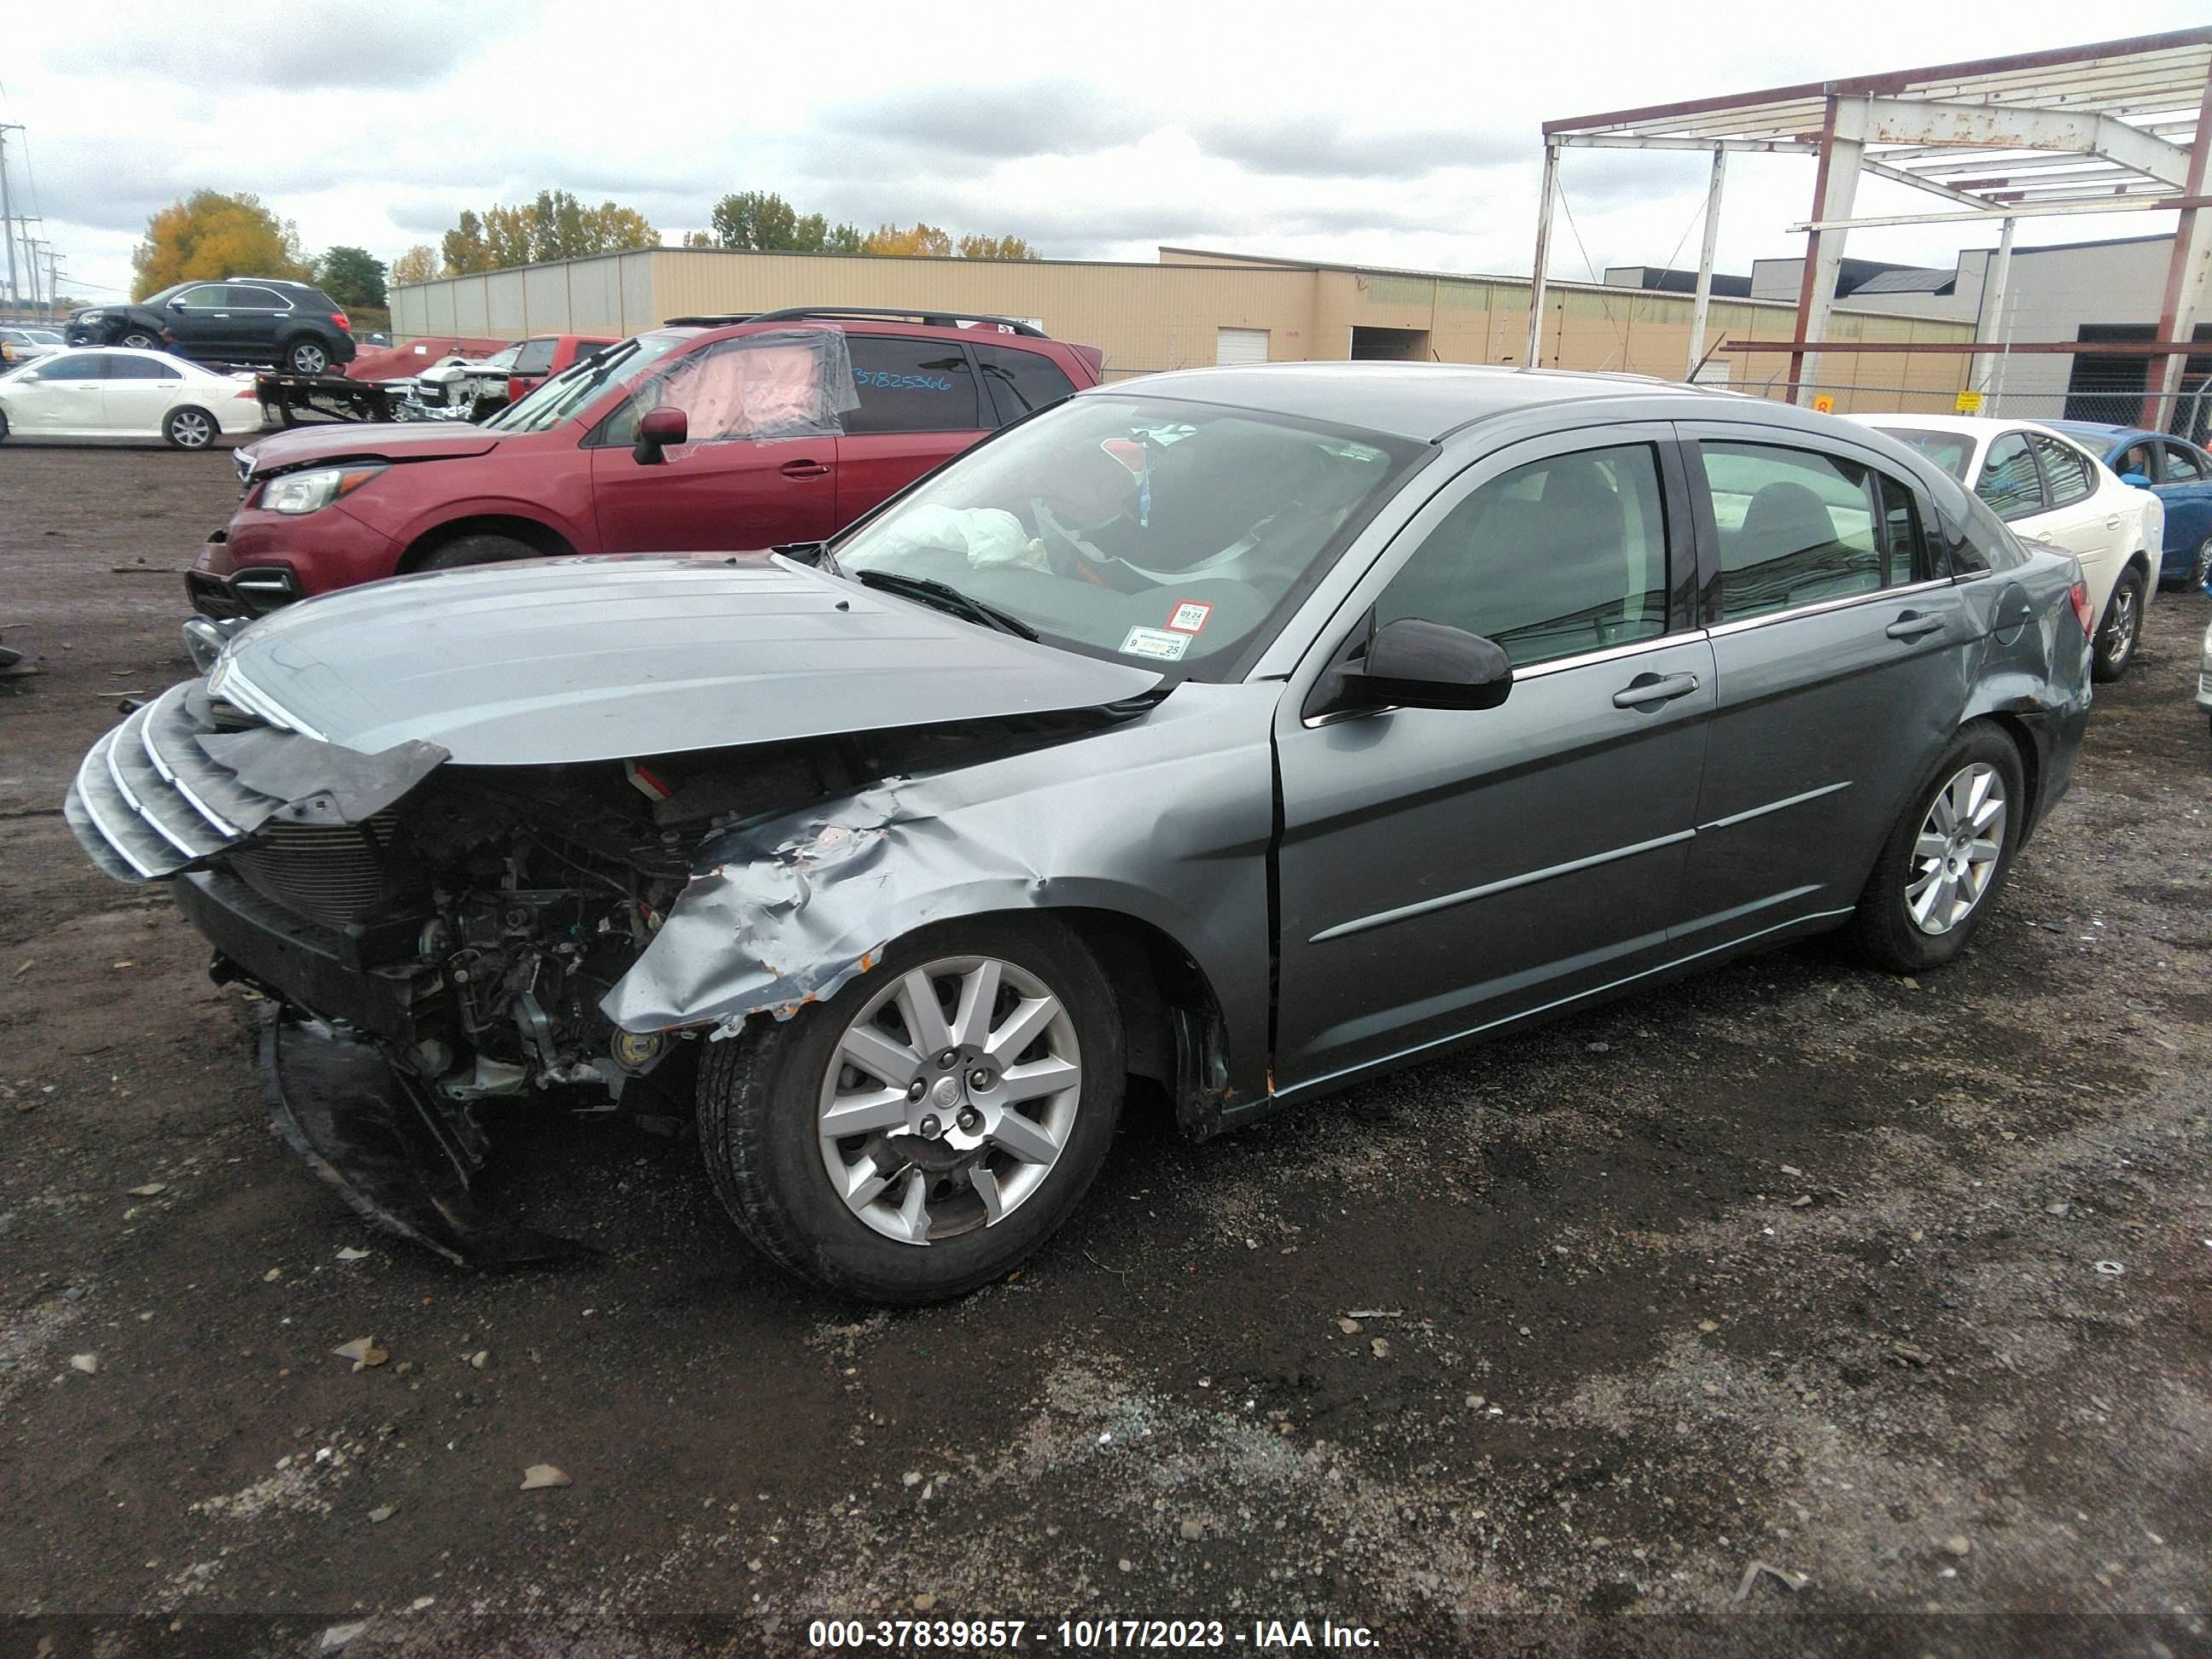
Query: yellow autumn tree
[(418, 264), (995, 247), (211, 235), (913, 241)]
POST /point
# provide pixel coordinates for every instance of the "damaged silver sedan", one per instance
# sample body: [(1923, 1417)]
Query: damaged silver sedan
[(1246, 732)]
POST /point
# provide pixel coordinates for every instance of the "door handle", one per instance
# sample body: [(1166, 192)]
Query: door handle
[(1912, 625), (1648, 692), (805, 470)]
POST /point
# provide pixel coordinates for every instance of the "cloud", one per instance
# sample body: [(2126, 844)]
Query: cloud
[(1040, 118), (358, 44), (1317, 145)]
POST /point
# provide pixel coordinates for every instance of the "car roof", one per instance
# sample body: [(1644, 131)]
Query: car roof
[(2102, 430), (1427, 401)]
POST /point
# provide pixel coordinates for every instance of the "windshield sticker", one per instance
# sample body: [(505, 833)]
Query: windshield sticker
[(1156, 643), (1190, 616)]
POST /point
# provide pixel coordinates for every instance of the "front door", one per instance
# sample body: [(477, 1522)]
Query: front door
[(200, 320), (64, 397), (725, 488), (1842, 656), (1441, 871)]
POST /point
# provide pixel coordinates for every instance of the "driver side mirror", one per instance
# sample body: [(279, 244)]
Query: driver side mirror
[(1412, 662), (176, 305), (2135, 478), (656, 428)]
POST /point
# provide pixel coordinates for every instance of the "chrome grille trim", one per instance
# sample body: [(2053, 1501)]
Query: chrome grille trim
[(141, 785), (124, 831), (212, 791)]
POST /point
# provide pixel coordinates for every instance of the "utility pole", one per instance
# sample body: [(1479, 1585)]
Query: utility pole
[(6, 212), (54, 281), (31, 256)]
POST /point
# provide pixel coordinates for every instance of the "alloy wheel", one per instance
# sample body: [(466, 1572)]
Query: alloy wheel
[(190, 429), (2200, 567), (2116, 641), (309, 360), (1955, 855), (950, 1098)]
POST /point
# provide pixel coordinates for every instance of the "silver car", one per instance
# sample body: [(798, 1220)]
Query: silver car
[(1247, 731)]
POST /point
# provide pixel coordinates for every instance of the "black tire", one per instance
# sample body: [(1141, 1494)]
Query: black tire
[(190, 428), (2120, 629), (1884, 929), (481, 549), (138, 338), (2200, 564), (305, 355), (759, 1095), (3, 428)]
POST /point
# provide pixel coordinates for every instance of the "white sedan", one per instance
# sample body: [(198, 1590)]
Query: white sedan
[(23, 345), (116, 392), (2046, 486)]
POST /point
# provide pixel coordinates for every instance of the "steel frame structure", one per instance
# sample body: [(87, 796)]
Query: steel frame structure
[(2115, 126)]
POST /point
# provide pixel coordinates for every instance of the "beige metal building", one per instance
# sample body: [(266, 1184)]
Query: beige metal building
[(1192, 307)]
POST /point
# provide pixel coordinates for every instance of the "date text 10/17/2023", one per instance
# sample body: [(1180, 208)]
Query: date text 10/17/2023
[(1087, 1635)]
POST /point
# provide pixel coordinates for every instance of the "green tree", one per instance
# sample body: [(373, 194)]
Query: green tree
[(209, 234), (464, 247), (418, 264), (755, 221), (350, 276), (845, 239)]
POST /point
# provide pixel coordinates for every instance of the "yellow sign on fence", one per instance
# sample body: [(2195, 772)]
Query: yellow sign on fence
[(1967, 402), (1823, 405)]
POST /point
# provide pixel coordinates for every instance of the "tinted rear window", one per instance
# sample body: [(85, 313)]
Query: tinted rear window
[(1020, 382), (911, 385)]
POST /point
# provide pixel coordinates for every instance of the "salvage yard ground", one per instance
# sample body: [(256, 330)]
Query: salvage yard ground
[(1906, 1288)]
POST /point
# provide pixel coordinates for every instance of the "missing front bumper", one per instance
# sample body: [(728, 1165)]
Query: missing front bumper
[(400, 1158)]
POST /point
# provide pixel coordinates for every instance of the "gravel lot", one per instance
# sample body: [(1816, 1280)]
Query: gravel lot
[(1905, 1288)]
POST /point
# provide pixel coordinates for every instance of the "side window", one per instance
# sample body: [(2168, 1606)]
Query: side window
[(142, 369), (2181, 466), (910, 385), (208, 296), (1797, 527), (2009, 483), (1560, 556), (1021, 382), (737, 389), (240, 297), (535, 357), (90, 367), (2137, 458), (1979, 542), (2067, 471), (1902, 561)]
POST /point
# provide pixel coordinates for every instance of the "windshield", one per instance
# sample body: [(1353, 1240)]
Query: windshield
[(1144, 528), (43, 335), (581, 383), (1951, 451)]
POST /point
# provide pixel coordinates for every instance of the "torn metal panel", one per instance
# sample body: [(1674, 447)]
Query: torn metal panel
[(786, 910), (321, 782)]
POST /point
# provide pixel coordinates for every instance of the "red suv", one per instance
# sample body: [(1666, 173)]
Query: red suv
[(563, 469)]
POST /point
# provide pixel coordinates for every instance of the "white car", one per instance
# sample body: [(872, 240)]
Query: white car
[(2046, 486), (117, 391), (22, 345)]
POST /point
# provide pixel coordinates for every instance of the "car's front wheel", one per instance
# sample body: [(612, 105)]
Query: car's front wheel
[(927, 1128), (2121, 626), (189, 429), (483, 548), (2200, 563), (140, 338), (1947, 858)]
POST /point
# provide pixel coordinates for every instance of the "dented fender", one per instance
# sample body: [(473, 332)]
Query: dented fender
[(786, 911)]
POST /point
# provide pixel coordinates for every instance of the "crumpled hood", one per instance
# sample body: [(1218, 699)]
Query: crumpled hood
[(562, 660), (347, 441)]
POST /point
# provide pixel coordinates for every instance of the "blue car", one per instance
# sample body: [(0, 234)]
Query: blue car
[(2176, 471)]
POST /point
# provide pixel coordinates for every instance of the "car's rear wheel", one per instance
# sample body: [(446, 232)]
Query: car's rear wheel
[(2121, 626), (927, 1128), (306, 357), (1943, 866), (481, 549), (139, 338), (189, 429)]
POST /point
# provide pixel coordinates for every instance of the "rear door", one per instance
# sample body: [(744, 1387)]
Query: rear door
[(919, 405), (2185, 487), (1442, 870), (256, 316), (1842, 656), (725, 488), (138, 391)]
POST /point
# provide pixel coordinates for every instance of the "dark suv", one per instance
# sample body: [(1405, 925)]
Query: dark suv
[(241, 319)]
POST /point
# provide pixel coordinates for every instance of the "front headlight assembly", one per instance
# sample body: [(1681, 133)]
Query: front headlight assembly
[(311, 492)]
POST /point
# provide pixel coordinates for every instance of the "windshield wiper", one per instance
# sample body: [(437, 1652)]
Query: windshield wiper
[(945, 597)]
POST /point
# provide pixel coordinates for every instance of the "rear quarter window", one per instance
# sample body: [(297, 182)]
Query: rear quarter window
[(1020, 382)]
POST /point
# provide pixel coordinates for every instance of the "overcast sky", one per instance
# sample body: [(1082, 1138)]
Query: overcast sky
[(1400, 134)]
